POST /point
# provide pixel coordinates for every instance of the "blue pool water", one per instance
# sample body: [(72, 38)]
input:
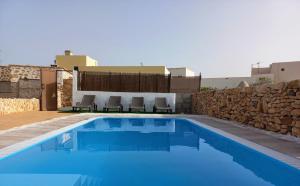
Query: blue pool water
[(142, 152)]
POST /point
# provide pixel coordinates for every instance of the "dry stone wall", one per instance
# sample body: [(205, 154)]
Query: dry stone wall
[(8, 105), (67, 93), (273, 107), (13, 73), (62, 89), (4, 73)]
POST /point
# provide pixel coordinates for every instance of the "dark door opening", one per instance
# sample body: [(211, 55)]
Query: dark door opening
[(49, 89)]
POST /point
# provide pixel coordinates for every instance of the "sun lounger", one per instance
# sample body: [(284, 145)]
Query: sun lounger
[(88, 101), (114, 103), (161, 105), (137, 104)]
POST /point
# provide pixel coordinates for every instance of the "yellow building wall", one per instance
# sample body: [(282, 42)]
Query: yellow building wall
[(126, 69), (90, 61), (68, 62)]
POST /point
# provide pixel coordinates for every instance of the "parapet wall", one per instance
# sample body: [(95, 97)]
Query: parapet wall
[(273, 107), (8, 105), (15, 72)]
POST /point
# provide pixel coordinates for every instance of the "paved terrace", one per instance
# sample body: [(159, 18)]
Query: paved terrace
[(17, 138), (23, 118)]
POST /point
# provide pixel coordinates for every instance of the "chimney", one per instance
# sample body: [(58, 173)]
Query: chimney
[(68, 53)]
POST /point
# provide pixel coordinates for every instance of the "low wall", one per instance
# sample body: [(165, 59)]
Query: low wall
[(233, 82), (271, 107), (102, 98), (18, 105)]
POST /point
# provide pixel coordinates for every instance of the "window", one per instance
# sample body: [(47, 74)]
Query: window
[(282, 69)]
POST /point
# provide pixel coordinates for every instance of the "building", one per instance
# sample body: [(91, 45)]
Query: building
[(275, 73), (86, 63), (281, 71), (181, 71), (68, 61)]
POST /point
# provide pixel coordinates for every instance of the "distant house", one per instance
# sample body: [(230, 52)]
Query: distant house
[(86, 63), (68, 61), (281, 71), (275, 73)]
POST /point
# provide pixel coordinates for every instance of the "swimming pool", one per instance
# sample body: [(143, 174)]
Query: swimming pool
[(142, 151)]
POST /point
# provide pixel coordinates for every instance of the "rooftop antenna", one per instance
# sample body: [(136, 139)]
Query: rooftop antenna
[(258, 63)]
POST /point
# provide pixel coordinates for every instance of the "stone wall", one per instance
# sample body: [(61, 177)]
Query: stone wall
[(24, 72), (4, 73), (67, 93), (63, 96), (13, 73), (8, 105), (273, 107)]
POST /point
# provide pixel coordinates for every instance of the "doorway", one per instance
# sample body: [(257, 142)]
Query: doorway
[(48, 99)]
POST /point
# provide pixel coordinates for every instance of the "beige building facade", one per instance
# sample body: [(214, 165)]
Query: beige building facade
[(68, 60), (281, 71), (85, 63)]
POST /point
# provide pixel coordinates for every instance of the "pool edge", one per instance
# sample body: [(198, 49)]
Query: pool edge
[(21, 146)]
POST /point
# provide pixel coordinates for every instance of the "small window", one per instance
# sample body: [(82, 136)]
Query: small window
[(282, 69)]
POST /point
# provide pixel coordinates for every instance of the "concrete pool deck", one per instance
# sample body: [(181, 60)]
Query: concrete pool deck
[(23, 118), (288, 147)]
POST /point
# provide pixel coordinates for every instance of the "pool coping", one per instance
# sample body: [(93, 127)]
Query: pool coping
[(23, 145), (293, 162)]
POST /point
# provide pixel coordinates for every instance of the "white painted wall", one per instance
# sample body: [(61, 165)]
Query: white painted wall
[(231, 82), (102, 97), (149, 126)]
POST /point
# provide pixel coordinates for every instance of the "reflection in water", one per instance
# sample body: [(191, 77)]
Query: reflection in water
[(62, 142), (156, 151), (131, 135), (137, 122)]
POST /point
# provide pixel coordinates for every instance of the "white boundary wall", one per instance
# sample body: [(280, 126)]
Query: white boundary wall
[(102, 97), (232, 82)]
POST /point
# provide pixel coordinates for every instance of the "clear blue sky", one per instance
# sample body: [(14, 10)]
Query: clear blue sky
[(217, 38)]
